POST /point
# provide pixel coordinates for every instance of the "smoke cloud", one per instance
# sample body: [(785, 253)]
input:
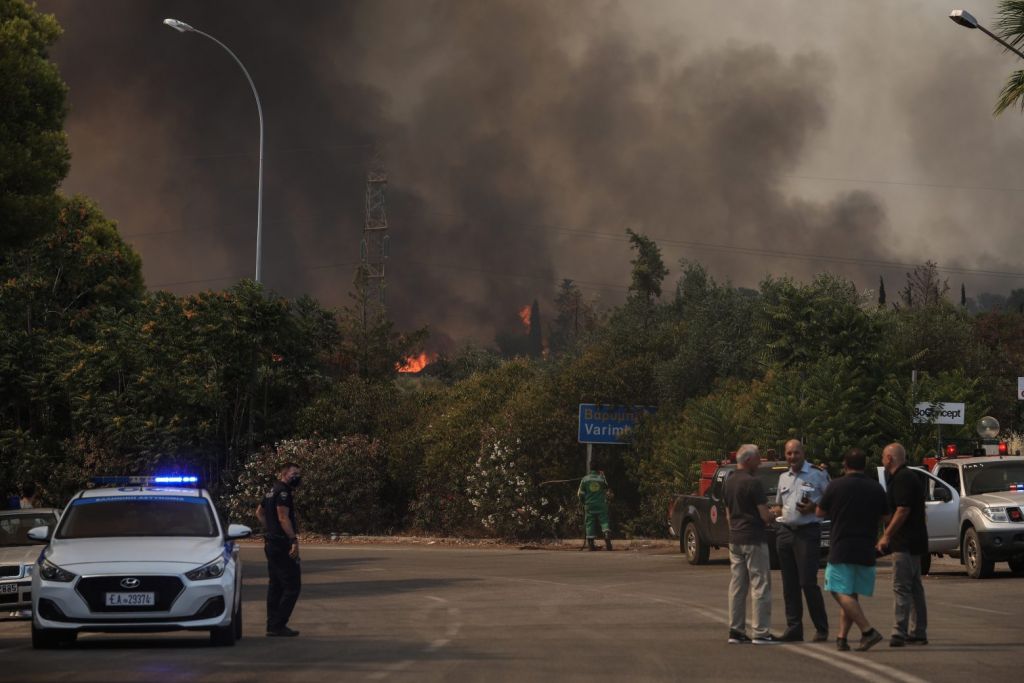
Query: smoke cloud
[(520, 139)]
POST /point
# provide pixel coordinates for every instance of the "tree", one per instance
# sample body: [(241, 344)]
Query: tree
[(924, 287), (370, 346), (648, 268), (536, 341), (1010, 27), (574, 318), (881, 292), (34, 155)]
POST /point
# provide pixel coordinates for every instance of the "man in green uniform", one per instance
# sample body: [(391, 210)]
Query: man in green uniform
[(593, 494)]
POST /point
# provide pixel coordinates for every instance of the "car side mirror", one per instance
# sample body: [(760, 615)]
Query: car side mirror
[(39, 533), (944, 494), (236, 531)]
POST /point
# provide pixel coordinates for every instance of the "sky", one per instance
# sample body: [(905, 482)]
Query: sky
[(522, 137)]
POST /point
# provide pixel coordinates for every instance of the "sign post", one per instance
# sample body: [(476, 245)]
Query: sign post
[(608, 424), (938, 414)]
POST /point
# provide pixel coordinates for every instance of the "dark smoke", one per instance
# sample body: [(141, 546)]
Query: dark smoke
[(521, 138)]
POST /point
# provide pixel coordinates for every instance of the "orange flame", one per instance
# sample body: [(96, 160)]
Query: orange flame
[(524, 315), (417, 363)]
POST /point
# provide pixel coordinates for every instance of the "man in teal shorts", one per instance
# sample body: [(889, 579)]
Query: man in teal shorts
[(593, 493), (856, 505)]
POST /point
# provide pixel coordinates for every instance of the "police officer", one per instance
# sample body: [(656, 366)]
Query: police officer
[(281, 545), (593, 494)]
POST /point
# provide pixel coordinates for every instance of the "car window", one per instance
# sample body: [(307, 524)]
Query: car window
[(14, 528), (116, 516), (989, 477), (950, 475)]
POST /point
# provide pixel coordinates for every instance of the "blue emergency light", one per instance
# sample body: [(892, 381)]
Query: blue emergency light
[(157, 480)]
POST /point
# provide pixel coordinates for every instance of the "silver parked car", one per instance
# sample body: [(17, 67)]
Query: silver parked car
[(18, 554)]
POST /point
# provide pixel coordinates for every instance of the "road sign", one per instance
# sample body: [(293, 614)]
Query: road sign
[(601, 423), (939, 413), (1020, 388)]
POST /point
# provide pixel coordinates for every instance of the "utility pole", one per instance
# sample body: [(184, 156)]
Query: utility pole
[(374, 246)]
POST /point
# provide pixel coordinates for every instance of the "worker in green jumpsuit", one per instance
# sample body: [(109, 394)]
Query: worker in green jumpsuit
[(593, 494)]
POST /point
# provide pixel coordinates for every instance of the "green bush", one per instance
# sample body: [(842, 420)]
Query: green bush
[(343, 481)]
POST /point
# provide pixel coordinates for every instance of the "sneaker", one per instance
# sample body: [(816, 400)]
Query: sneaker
[(842, 645), (821, 637), (283, 632), (869, 640), (897, 641), (767, 640), (917, 640), (737, 638)]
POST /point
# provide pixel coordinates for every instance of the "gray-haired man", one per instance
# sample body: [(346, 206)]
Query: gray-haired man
[(746, 508)]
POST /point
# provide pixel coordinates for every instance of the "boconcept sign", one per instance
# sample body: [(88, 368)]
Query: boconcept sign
[(939, 413)]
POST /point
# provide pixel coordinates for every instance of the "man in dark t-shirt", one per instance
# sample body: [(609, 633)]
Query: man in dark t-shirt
[(746, 508), (281, 546), (856, 505), (906, 536)]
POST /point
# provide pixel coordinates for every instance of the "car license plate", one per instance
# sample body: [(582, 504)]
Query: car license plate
[(131, 599), (8, 588)]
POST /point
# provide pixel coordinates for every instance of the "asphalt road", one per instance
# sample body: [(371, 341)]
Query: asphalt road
[(397, 613)]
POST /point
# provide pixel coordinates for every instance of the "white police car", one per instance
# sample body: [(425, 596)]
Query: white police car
[(145, 556)]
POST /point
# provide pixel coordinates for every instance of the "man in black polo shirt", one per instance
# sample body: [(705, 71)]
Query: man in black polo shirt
[(281, 546), (746, 508), (906, 536), (856, 505)]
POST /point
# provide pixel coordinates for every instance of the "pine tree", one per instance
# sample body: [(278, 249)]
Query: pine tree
[(536, 342), (963, 295), (881, 292)]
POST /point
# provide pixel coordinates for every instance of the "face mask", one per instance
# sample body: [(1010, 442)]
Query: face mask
[(295, 480)]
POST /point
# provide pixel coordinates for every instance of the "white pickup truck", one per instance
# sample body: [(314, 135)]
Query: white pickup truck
[(975, 511)]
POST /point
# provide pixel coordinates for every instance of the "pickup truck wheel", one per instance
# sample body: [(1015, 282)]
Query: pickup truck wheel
[(978, 566), (1017, 565), (926, 564), (697, 552)]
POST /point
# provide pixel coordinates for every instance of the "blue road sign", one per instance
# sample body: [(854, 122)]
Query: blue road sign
[(601, 423)]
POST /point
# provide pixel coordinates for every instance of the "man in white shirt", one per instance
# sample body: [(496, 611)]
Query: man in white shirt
[(798, 542)]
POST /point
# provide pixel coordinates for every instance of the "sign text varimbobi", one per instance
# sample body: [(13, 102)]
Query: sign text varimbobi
[(939, 413), (601, 423)]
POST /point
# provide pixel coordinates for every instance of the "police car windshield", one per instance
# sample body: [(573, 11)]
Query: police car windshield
[(14, 528), (989, 477), (141, 515)]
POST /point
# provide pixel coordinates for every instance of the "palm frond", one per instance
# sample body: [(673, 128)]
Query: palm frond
[(1012, 94)]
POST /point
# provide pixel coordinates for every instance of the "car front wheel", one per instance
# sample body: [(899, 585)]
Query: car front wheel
[(697, 552), (978, 566)]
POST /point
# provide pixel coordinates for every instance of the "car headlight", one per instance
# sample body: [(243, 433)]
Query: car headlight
[(996, 514), (28, 570), (210, 570), (51, 572)]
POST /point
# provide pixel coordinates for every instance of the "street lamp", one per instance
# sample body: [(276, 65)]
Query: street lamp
[(182, 27), (967, 20)]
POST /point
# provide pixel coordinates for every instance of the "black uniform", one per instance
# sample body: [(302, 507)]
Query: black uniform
[(285, 575)]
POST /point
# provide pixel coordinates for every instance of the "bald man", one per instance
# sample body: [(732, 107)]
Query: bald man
[(906, 537)]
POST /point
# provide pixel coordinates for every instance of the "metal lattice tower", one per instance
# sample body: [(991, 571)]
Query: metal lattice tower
[(374, 246)]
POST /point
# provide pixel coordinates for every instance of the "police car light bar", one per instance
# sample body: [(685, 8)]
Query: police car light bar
[(178, 479)]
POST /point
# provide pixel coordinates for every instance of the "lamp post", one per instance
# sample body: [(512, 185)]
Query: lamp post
[(182, 27), (967, 20)]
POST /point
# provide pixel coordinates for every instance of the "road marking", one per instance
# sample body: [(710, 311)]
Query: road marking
[(976, 609), (454, 626), (853, 665)]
